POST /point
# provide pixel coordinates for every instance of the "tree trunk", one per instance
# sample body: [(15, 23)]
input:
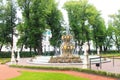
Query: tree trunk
[(101, 48), (1, 47), (75, 52), (55, 50), (39, 51), (35, 50), (80, 47), (40, 46), (96, 46), (30, 50), (21, 48), (105, 48), (117, 43)]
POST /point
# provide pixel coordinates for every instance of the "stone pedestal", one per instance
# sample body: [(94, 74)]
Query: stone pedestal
[(13, 61), (98, 51), (86, 64), (18, 56)]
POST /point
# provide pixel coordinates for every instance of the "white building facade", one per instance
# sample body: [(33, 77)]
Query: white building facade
[(45, 42), (46, 47)]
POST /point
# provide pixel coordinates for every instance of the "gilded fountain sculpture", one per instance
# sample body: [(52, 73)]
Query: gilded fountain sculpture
[(67, 49), (67, 46)]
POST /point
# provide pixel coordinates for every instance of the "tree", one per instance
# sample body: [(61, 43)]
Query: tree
[(8, 14), (11, 19), (54, 21), (115, 18), (2, 24), (23, 27), (99, 32), (109, 42), (81, 17), (40, 12), (35, 15)]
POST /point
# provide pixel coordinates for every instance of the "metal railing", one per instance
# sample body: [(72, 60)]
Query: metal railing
[(100, 60)]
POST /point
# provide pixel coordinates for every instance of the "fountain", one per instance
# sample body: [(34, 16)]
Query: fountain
[(67, 55)]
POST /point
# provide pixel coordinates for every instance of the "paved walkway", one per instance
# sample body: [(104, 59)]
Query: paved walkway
[(7, 72), (113, 66)]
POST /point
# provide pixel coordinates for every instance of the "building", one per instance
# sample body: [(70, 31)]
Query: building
[(45, 43)]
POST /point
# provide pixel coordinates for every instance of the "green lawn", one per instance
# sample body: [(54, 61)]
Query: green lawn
[(46, 76), (4, 60), (111, 55)]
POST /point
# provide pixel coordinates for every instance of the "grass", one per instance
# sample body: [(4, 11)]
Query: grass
[(4, 60), (111, 55), (46, 76)]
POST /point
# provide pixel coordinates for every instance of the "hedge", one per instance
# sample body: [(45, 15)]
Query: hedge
[(49, 53), (22, 54)]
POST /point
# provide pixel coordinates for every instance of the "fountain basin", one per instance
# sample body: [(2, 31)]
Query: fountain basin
[(46, 59), (65, 59)]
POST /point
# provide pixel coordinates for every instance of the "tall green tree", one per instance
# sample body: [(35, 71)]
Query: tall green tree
[(8, 19), (99, 32), (11, 19), (24, 26), (110, 40), (35, 15), (115, 18), (54, 21), (40, 9), (81, 17), (2, 24)]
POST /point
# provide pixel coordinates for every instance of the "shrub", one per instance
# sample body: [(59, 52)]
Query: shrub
[(49, 53), (22, 54), (27, 54), (5, 54)]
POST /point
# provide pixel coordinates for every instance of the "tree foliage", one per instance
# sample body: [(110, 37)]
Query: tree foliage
[(99, 32), (8, 22), (36, 19), (54, 21), (115, 22), (82, 19)]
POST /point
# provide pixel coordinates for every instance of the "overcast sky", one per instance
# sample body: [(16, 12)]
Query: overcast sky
[(106, 7)]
